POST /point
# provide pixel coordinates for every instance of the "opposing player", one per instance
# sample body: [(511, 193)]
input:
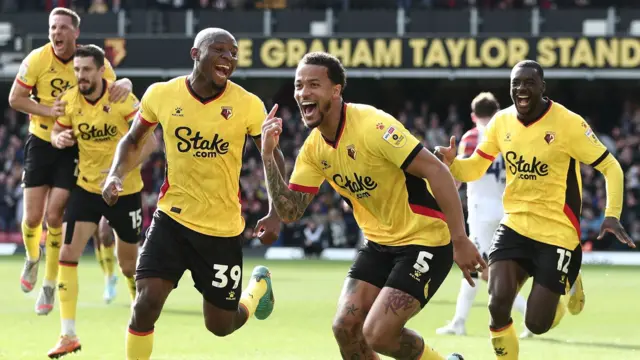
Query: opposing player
[(49, 172), (379, 169), (205, 120), (97, 125), (543, 144), (484, 204)]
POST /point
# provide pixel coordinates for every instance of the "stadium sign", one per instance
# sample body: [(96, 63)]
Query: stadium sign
[(407, 57)]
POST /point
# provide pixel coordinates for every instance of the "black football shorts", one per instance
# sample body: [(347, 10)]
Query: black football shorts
[(125, 216), (215, 263), (46, 165), (417, 270), (551, 266)]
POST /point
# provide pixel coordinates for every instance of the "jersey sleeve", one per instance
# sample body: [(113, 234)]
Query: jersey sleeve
[(471, 169), (306, 176), (29, 70), (146, 111), (394, 143), (130, 108), (583, 144), (109, 73), (257, 114)]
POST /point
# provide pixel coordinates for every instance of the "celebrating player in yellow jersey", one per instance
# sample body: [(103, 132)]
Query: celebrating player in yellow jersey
[(543, 144), (198, 226), (49, 172), (410, 223), (97, 125)]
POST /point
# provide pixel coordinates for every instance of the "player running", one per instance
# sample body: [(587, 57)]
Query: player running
[(484, 204), (49, 172), (97, 125), (379, 169), (543, 144), (198, 226)]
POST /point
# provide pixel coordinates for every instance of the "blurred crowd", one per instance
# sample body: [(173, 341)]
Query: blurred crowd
[(328, 221), (102, 6)]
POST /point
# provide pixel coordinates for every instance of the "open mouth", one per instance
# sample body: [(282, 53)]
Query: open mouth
[(308, 108), (222, 71), (58, 43), (523, 100)]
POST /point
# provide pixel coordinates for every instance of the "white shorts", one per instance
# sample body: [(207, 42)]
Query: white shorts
[(481, 233)]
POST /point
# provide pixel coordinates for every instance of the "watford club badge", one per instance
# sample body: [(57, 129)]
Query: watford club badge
[(549, 137), (227, 112), (115, 50), (351, 151)]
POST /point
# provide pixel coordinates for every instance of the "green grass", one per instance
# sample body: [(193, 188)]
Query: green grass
[(300, 326)]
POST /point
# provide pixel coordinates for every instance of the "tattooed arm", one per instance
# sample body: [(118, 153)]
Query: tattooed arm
[(289, 204), (279, 160)]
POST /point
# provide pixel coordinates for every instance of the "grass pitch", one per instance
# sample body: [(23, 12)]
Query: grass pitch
[(300, 326)]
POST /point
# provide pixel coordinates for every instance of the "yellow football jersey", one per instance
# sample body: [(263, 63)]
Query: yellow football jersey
[(204, 143), (365, 165), (543, 195), (98, 127), (47, 76)]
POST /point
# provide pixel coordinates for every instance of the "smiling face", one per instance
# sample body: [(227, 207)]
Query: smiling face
[(62, 34), (314, 93), (527, 88), (217, 58)]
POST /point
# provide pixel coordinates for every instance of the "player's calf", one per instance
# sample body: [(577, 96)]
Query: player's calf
[(152, 293)]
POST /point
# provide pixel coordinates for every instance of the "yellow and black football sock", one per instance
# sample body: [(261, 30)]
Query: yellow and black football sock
[(98, 252), (505, 342), (109, 259), (560, 311), (53, 244), (139, 345), (31, 238), (68, 293), (131, 285), (252, 294)]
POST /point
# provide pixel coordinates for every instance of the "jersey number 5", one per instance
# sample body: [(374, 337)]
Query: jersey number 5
[(562, 265), (421, 263), (220, 277)]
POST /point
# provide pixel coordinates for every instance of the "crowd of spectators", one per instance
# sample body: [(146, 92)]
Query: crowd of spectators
[(102, 6), (328, 221)]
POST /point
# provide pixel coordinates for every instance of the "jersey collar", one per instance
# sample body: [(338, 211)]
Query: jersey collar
[(204, 100), (544, 113), (104, 91), (343, 119)]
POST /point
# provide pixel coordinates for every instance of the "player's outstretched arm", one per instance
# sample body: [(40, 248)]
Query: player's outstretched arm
[(464, 170), (20, 100), (289, 204), (128, 156)]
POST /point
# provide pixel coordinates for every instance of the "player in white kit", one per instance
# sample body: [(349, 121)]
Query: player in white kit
[(484, 204)]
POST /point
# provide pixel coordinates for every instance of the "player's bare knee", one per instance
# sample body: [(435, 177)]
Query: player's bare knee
[(146, 309), (68, 254), (347, 328), (378, 336), (500, 308), (537, 325), (217, 327), (128, 268), (54, 218)]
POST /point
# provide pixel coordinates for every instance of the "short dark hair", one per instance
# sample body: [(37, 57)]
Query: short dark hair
[(335, 70), (75, 18), (92, 51), (531, 65), (485, 105)]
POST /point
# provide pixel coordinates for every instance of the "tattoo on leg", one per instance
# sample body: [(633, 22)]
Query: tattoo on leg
[(410, 347), (398, 301), (351, 309)]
